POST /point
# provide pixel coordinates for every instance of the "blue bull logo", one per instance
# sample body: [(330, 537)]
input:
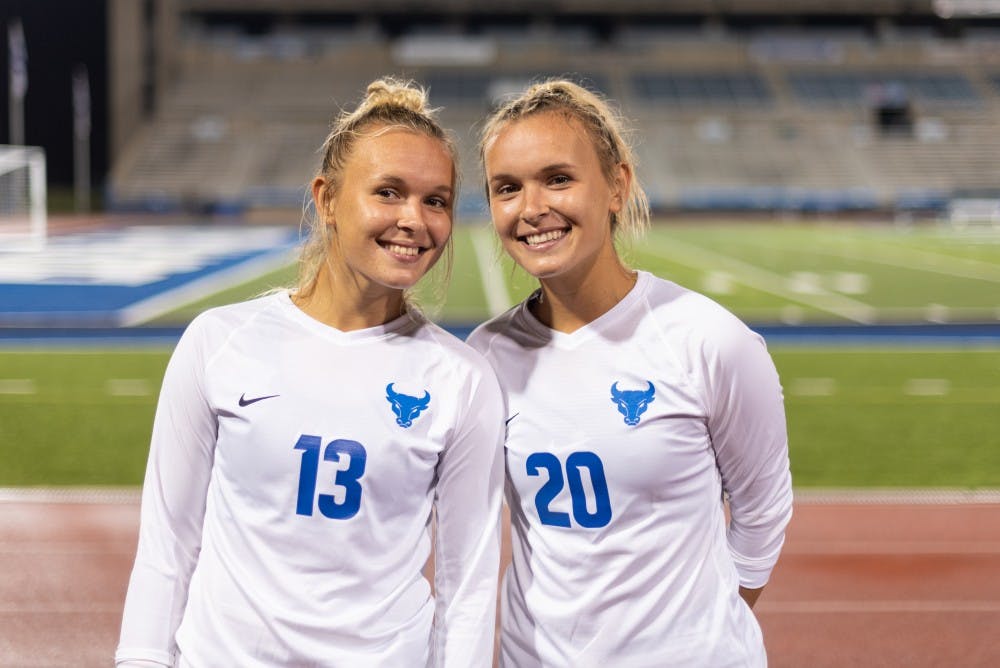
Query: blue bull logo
[(632, 403), (406, 408)]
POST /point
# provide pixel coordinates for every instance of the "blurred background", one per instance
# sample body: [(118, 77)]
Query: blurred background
[(829, 170), (747, 105)]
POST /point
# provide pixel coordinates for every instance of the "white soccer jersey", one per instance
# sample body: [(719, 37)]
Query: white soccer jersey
[(287, 502), (621, 439)]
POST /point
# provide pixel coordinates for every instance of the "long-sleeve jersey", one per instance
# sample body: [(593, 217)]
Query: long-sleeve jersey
[(623, 437), (287, 504)]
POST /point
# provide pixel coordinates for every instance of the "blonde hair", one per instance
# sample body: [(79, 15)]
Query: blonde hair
[(388, 103), (602, 123)]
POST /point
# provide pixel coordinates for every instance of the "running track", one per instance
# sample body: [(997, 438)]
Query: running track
[(878, 581)]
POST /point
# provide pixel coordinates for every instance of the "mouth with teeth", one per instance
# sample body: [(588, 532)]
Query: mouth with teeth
[(405, 251), (543, 237)]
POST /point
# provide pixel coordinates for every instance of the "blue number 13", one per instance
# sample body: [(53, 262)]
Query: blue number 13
[(574, 463), (345, 478)]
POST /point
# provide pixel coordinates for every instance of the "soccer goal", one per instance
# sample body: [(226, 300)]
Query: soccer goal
[(23, 219), (971, 214)]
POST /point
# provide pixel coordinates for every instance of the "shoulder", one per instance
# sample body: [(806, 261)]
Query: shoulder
[(502, 327), (455, 353), (213, 327), (704, 324)]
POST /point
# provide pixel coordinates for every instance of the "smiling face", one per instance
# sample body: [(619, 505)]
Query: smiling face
[(550, 200), (390, 214)]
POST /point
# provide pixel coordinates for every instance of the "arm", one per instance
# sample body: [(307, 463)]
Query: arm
[(747, 426), (467, 552), (173, 507)]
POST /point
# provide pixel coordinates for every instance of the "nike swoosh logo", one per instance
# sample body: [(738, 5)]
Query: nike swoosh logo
[(246, 402), (507, 421)]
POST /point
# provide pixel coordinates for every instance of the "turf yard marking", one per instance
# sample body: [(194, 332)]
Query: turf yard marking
[(927, 387), (866, 248), (497, 298), (718, 283), (700, 258), (17, 386), (128, 387), (805, 283), (938, 263), (851, 282), (813, 387)]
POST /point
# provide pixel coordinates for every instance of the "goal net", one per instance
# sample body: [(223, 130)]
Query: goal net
[(973, 213), (23, 220)]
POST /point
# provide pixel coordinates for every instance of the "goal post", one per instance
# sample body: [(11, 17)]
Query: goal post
[(974, 213), (23, 217)]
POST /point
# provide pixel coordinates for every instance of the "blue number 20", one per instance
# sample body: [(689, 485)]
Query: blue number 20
[(346, 478), (576, 461)]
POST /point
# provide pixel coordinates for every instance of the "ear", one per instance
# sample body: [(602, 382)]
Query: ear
[(620, 187), (322, 193)]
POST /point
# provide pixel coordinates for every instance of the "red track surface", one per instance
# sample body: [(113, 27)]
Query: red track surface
[(858, 585)]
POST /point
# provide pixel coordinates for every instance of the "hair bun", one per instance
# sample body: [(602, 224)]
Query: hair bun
[(395, 93)]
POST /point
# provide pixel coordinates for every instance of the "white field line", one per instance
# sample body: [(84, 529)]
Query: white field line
[(497, 297), (803, 495), (875, 496), (111, 495), (883, 606), (761, 279), (895, 256), (920, 260)]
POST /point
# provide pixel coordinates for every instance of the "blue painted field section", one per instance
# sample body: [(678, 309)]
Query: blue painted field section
[(126, 276)]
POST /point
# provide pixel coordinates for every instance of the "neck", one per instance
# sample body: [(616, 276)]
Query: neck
[(569, 303), (349, 306)]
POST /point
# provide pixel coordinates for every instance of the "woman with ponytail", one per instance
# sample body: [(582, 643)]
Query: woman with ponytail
[(303, 441), (636, 406)]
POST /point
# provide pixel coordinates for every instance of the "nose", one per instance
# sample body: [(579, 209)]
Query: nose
[(412, 216), (533, 204)]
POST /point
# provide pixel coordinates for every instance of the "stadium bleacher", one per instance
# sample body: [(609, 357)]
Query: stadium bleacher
[(828, 119)]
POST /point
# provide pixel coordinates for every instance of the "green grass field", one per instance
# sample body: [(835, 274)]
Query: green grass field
[(857, 417), (838, 273)]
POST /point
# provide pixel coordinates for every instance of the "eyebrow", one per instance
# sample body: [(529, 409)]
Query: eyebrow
[(398, 182), (554, 167)]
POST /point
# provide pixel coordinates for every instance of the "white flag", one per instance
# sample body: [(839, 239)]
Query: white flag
[(18, 59)]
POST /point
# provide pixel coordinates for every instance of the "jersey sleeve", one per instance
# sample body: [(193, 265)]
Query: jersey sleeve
[(173, 507), (467, 549), (746, 419)]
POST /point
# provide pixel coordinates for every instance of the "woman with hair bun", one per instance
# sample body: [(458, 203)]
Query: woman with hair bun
[(635, 406), (304, 439)]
